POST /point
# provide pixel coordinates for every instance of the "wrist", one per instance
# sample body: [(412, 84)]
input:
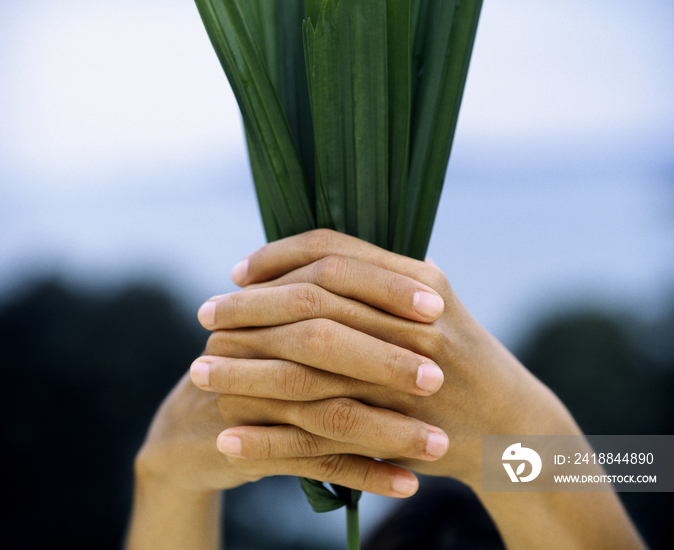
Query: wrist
[(155, 481), (170, 516), (516, 403)]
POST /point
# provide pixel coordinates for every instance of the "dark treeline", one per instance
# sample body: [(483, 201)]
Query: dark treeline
[(616, 375), (84, 372), (83, 375)]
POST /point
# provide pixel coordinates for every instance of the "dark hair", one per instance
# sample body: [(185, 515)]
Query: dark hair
[(444, 515)]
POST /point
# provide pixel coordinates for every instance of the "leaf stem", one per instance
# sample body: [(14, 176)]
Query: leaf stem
[(352, 527)]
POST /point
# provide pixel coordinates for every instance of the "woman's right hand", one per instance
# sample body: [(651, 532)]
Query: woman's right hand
[(180, 449), (179, 471)]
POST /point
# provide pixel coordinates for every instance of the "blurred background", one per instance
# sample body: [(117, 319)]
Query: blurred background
[(126, 199)]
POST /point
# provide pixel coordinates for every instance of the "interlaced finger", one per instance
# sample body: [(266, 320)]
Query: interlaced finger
[(273, 379), (357, 472), (370, 284), (333, 347), (338, 425)]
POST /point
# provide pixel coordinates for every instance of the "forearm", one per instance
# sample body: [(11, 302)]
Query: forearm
[(165, 517), (573, 521), (563, 520)]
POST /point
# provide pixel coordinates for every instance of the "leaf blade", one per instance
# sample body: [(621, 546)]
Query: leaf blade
[(322, 55), (437, 99), (320, 498), (234, 43), (369, 77), (399, 59)]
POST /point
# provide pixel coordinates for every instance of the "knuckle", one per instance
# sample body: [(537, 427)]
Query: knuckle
[(414, 439), (331, 270), (341, 418), (264, 449), (234, 307), (306, 300), (343, 469), (435, 342), (228, 379), (392, 360), (429, 340), (331, 467), (293, 382), (318, 336), (304, 444), (391, 287), (437, 280), (216, 343), (318, 242), (366, 475)]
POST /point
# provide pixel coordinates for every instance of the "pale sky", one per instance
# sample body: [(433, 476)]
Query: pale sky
[(121, 154)]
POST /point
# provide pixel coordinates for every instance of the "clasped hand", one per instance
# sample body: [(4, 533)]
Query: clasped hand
[(342, 362)]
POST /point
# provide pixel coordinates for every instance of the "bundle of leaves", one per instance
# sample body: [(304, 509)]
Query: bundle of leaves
[(349, 108)]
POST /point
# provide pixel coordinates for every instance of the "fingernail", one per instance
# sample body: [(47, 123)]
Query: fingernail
[(200, 373), (229, 444), (437, 444), (428, 305), (206, 314), (405, 485), (429, 377), (240, 272)]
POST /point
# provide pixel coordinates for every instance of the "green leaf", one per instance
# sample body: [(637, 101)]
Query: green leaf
[(370, 116), (320, 497), (283, 53), (414, 16), (291, 84), (272, 230), (312, 8), (322, 62), (444, 40), (278, 164), (261, 16), (346, 106), (346, 54), (399, 59)]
